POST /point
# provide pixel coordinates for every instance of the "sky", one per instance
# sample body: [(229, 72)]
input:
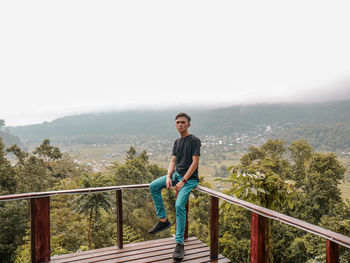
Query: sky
[(62, 57)]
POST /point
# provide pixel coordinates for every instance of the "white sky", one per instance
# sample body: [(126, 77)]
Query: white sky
[(66, 57)]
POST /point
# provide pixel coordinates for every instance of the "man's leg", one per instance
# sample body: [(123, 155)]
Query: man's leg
[(156, 190), (180, 207)]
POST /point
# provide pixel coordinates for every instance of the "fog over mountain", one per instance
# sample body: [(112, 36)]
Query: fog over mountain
[(334, 91), (321, 122)]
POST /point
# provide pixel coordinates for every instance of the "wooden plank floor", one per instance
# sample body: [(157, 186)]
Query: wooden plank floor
[(159, 250)]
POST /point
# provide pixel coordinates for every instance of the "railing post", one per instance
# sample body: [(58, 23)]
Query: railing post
[(40, 229), (214, 226), (332, 252), (258, 238), (119, 207), (186, 226)]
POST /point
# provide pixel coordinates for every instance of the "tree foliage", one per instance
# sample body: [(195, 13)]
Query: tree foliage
[(296, 181), (47, 151), (91, 204), (260, 179), (290, 178), (31, 172)]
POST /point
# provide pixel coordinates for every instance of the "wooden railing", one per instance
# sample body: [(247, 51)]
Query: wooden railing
[(40, 222), (258, 223), (40, 215)]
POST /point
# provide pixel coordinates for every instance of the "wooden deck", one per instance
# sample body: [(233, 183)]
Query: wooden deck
[(160, 250)]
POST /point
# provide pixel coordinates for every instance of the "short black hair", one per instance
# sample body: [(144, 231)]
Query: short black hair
[(182, 114)]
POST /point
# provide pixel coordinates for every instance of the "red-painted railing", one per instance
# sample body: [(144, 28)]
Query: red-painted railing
[(40, 222)]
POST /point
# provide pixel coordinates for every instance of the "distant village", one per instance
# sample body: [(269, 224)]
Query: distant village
[(160, 149)]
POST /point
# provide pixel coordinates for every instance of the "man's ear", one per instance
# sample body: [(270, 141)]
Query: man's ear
[(189, 124)]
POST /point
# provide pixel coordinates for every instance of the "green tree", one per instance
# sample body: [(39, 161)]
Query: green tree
[(48, 152), (138, 207), (199, 213), (234, 232), (68, 229), (130, 236), (30, 173), (92, 203), (17, 151), (131, 153), (144, 156), (13, 225), (14, 215), (300, 153), (274, 150), (34, 171), (318, 191), (258, 179), (7, 173)]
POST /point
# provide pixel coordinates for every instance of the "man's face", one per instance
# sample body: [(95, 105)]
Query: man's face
[(182, 124)]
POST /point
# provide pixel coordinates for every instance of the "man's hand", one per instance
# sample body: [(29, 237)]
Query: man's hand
[(168, 182), (179, 185)]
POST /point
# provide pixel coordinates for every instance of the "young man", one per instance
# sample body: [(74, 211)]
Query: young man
[(183, 174)]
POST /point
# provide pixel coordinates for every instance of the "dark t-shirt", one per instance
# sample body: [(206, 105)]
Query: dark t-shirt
[(184, 149)]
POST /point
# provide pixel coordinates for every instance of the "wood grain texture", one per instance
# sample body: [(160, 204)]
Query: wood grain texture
[(214, 226), (119, 206), (159, 250), (40, 229), (257, 239), (332, 252)]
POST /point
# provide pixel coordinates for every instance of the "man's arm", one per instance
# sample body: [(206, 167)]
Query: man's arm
[(193, 167), (171, 169), (190, 171)]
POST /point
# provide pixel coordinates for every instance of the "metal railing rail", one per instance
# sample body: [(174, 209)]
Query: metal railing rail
[(73, 191)]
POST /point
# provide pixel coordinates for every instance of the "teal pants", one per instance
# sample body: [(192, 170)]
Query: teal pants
[(180, 206)]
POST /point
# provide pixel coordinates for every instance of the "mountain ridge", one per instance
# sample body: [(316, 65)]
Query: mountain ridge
[(205, 121)]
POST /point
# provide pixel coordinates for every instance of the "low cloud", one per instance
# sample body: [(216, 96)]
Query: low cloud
[(335, 91)]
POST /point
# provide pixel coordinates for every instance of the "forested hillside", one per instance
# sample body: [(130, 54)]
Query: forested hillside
[(8, 138), (325, 125)]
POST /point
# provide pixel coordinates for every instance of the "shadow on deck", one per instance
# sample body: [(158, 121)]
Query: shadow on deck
[(160, 250)]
